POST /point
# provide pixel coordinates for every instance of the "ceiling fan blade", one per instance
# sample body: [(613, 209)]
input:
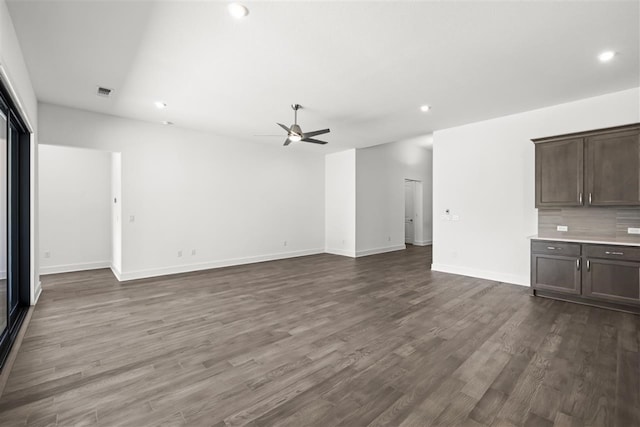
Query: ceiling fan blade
[(315, 141), (284, 127), (316, 133), (287, 142)]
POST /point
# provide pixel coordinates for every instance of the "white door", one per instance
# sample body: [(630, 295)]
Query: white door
[(409, 187)]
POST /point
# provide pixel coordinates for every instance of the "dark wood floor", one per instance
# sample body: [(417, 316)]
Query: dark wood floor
[(320, 341)]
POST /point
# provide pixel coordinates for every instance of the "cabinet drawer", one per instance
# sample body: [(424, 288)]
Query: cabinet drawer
[(626, 253), (555, 248)]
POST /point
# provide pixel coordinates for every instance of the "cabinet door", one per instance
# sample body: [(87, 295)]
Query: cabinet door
[(556, 273), (612, 280), (613, 169), (559, 173)]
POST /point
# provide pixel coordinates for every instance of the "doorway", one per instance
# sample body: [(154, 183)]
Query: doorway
[(413, 218)]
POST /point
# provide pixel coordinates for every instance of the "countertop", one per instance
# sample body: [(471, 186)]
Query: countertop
[(579, 240)]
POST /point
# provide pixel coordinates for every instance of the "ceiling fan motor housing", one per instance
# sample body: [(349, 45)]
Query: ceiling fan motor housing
[(296, 129)]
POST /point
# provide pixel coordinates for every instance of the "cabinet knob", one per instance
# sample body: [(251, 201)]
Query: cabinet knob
[(614, 253), (580, 198), (553, 248), (588, 265), (578, 264), (589, 198)]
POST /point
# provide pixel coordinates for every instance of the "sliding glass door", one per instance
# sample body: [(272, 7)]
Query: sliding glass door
[(4, 301), (15, 208)]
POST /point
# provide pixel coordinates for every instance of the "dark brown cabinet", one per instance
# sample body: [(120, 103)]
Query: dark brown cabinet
[(613, 165), (556, 266), (612, 273), (559, 173), (595, 168), (603, 275)]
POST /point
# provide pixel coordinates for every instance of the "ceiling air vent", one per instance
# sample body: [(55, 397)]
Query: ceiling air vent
[(103, 91)]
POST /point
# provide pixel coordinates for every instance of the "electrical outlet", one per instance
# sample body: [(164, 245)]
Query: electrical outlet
[(179, 254), (455, 218), (633, 230), (389, 238), (47, 254), (562, 228), (193, 251), (285, 243), (132, 218)]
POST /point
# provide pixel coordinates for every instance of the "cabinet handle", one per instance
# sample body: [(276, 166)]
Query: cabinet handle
[(578, 264), (554, 248), (580, 198), (588, 265), (614, 253), (589, 198)]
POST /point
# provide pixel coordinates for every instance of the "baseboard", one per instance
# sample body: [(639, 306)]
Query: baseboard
[(482, 274), (342, 252), (367, 252), (68, 268), (143, 274), (116, 272), (423, 243), (38, 291)]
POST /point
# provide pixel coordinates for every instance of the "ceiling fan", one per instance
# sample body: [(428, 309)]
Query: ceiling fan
[(295, 134)]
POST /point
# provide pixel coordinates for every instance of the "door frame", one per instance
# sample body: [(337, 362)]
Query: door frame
[(19, 217)]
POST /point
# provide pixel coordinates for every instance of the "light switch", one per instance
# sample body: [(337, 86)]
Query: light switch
[(562, 228)]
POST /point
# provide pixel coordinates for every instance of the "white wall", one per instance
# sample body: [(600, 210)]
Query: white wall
[(340, 203), (231, 202), (75, 211), (484, 173), (380, 175), (14, 74)]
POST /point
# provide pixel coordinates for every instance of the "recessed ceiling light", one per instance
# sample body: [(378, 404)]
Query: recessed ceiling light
[(160, 104), (237, 10), (606, 56), (425, 108), (165, 122)]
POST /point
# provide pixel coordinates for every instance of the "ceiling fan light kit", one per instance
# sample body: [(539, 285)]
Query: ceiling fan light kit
[(295, 133)]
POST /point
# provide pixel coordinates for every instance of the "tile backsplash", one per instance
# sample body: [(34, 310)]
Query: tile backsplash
[(590, 223)]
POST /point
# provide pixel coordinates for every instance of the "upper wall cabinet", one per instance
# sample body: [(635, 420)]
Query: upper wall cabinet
[(594, 168)]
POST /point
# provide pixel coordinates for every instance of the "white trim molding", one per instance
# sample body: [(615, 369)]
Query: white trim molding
[(68, 268), (187, 268), (481, 274), (341, 252), (374, 251), (423, 243)]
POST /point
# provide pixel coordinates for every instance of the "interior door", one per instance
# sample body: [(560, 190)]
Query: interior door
[(409, 211)]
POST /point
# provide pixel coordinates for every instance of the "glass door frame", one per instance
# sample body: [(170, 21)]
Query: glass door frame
[(18, 193)]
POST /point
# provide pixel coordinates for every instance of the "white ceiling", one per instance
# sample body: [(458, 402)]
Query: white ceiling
[(360, 68)]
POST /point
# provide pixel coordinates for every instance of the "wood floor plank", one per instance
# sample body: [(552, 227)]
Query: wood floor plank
[(319, 341)]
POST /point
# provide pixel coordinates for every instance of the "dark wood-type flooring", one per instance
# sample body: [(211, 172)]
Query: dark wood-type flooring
[(323, 341)]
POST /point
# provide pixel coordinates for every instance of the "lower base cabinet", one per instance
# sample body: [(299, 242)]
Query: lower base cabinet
[(594, 274)]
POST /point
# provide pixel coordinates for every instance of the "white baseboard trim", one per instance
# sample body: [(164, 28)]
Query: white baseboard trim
[(176, 269), (482, 274), (68, 268), (38, 292), (342, 252), (374, 251), (423, 243), (116, 272)]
